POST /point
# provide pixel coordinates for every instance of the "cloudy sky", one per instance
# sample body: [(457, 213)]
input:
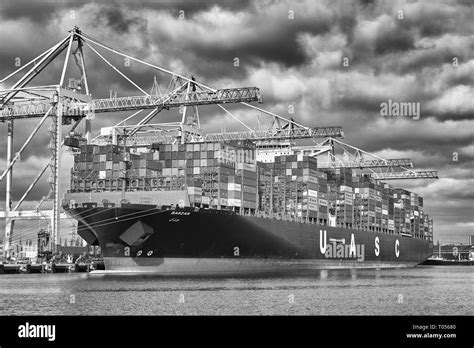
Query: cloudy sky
[(404, 51)]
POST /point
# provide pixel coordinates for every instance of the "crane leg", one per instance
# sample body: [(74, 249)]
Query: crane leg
[(9, 223)]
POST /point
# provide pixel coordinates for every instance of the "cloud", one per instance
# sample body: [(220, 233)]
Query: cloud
[(423, 134), (449, 188), (424, 159), (432, 52), (436, 18), (457, 102)]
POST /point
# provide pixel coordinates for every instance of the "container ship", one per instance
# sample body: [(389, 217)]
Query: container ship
[(166, 198), (237, 208)]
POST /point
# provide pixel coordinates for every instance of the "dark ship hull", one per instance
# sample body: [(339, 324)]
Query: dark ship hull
[(443, 262), (193, 241)]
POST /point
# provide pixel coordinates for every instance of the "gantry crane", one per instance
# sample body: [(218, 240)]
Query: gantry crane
[(66, 106)]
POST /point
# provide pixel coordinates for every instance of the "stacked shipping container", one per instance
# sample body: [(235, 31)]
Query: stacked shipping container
[(227, 176), (340, 195), (402, 208), (365, 202), (293, 188)]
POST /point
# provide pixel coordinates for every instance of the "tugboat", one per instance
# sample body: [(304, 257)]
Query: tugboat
[(452, 256)]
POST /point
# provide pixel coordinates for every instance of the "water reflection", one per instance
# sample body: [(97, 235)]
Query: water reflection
[(433, 290)]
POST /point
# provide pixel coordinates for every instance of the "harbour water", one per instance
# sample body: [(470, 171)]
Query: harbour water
[(436, 290)]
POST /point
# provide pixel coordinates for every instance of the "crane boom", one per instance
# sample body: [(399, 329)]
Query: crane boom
[(147, 138), (273, 134), (419, 174), (371, 163), (192, 98)]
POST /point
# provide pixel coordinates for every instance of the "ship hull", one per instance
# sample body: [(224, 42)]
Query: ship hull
[(231, 267), (192, 241), (431, 262)]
